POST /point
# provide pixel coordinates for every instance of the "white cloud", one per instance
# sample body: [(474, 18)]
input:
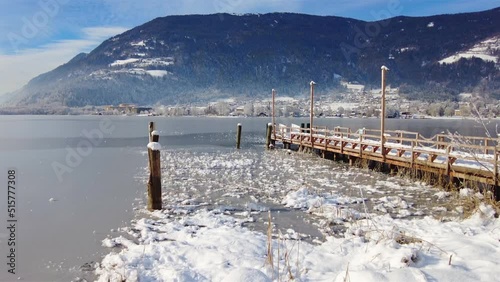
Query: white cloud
[(233, 6), (456, 6), (102, 32), (17, 69)]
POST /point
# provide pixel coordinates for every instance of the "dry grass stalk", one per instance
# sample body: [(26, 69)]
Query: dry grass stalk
[(278, 262), (346, 277), (297, 266), (269, 259)]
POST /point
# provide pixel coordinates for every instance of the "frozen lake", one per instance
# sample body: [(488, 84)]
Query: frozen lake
[(79, 179)]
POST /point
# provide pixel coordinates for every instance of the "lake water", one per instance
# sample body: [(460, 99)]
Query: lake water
[(79, 178)]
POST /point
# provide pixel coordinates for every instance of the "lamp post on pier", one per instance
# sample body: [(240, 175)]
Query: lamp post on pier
[(311, 115), (274, 116), (382, 118)]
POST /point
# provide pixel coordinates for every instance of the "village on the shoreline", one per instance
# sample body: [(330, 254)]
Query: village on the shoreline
[(354, 102)]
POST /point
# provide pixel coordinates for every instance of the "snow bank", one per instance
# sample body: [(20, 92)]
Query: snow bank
[(202, 247), (204, 233), (208, 246)]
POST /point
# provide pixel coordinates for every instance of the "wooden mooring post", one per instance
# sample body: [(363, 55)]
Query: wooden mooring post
[(151, 129), (268, 135), (238, 136), (154, 181)]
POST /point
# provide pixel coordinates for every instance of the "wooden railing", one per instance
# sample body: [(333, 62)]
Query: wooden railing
[(449, 154)]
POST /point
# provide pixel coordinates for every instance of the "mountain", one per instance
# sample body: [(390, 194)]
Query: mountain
[(180, 59)]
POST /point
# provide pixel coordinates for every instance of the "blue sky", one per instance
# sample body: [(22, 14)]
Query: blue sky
[(39, 35)]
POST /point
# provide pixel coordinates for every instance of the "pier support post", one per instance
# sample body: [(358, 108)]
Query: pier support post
[(495, 163), (154, 181), (268, 136), (393, 169), (238, 136), (352, 160), (496, 188), (151, 129)]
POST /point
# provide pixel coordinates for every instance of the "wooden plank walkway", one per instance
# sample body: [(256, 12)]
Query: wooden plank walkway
[(468, 158)]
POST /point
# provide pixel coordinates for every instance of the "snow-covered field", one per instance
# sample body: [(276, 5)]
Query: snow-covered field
[(329, 222), (483, 50)]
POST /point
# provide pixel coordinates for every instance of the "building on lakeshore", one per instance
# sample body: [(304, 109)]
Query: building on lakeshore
[(127, 109)]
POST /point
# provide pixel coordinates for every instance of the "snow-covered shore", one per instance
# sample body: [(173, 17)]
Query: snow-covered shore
[(210, 246), (386, 236)]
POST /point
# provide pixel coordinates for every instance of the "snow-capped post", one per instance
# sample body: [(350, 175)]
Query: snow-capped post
[(495, 174), (151, 129), (274, 116), (268, 136), (382, 118), (154, 181), (312, 83), (238, 136)]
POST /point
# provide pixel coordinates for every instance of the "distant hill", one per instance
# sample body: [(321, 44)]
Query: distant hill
[(180, 59)]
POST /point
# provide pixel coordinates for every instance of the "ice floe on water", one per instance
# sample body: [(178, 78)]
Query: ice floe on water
[(328, 222)]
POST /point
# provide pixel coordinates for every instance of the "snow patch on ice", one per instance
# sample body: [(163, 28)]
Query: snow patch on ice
[(302, 198), (245, 274), (442, 194), (466, 192)]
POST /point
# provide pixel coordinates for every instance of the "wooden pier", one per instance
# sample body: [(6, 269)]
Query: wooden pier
[(473, 159)]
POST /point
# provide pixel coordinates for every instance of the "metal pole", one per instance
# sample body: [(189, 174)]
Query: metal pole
[(382, 118), (274, 116), (312, 83)]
